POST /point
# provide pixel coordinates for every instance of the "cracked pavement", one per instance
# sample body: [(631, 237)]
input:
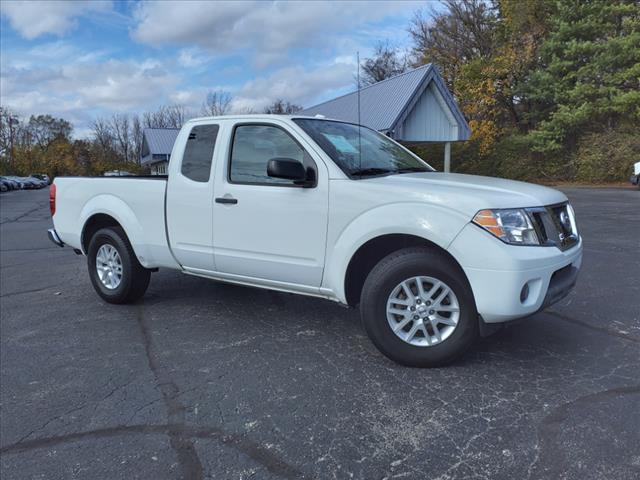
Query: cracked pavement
[(207, 380)]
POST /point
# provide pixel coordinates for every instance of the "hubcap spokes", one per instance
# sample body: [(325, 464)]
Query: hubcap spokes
[(109, 266), (423, 311)]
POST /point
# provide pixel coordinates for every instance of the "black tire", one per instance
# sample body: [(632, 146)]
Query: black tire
[(135, 278), (390, 272)]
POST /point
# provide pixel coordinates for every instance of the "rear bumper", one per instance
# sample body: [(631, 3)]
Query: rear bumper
[(53, 236), (510, 282)]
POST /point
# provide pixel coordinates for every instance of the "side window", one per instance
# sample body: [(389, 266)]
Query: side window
[(198, 154), (253, 147)]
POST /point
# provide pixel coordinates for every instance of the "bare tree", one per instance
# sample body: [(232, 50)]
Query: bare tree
[(11, 131), (387, 61), (137, 134), (462, 33), (102, 134), (119, 136), (177, 115), (167, 116), (216, 104), (45, 129), (280, 107), (121, 131)]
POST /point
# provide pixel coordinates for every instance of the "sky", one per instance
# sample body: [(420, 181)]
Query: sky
[(83, 59)]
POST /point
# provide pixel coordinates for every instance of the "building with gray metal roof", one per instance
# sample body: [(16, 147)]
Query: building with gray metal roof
[(157, 144), (412, 107)]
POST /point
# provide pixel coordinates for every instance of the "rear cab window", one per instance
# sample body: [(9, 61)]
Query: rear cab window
[(198, 152)]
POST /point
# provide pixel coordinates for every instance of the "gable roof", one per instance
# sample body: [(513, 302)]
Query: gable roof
[(160, 140), (384, 104)]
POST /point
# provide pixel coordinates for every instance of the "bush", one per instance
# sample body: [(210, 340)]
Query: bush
[(509, 158), (606, 156), (598, 157)]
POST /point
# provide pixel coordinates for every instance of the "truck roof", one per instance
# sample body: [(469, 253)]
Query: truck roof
[(254, 116)]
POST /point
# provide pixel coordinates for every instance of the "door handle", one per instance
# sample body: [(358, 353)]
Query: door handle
[(227, 200)]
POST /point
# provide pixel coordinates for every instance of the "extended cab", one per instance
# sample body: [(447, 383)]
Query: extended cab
[(335, 210)]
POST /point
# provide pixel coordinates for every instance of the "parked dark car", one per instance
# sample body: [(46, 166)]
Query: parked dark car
[(35, 183), (16, 185), (10, 183), (42, 176), (31, 183), (25, 183), (17, 182)]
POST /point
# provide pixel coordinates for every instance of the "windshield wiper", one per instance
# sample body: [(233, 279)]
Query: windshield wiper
[(412, 169), (364, 172)]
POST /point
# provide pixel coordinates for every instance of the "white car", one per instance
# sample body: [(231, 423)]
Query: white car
[(635, 177), (329, 209)]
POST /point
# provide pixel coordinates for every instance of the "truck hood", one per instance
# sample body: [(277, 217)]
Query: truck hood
[(467, 193)]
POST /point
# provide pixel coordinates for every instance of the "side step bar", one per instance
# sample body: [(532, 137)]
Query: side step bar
[(53, 236)]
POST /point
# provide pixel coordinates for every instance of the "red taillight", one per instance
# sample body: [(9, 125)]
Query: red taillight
[(52, 199)]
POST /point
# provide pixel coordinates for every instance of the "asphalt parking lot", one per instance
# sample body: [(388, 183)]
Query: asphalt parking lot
[(206, 380)]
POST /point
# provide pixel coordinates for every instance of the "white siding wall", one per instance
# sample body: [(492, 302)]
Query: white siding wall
[(159, 168), (429, 120)]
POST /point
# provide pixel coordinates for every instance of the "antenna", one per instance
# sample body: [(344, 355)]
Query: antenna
[(359, 134)]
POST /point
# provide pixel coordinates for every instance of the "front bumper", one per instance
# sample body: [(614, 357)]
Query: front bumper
[(560, 284), (509, 281)]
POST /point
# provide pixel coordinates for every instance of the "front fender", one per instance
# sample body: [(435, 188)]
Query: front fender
[(115, 207), (431, 222)]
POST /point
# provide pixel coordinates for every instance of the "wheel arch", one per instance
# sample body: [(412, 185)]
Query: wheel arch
[(94, 223), (374, 250)]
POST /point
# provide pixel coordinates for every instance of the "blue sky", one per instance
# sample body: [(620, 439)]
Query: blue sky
[(83, 59)]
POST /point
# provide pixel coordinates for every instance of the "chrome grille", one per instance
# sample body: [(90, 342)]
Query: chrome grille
[(553, 226)]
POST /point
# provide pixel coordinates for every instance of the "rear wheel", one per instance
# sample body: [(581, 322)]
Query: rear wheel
[(418, 309), (115, 272)]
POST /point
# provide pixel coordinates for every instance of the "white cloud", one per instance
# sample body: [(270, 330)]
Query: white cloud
[(191, 58), (268, 29), (189, 98), (34, 18), (296, 84), (77, 90), (309, 48)]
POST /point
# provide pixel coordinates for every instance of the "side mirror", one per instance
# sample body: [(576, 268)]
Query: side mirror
[(289, 169)]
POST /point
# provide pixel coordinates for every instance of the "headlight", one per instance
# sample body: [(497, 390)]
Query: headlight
[(509, 225)]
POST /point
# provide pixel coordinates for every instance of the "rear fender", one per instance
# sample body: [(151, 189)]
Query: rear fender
[(115, 207)]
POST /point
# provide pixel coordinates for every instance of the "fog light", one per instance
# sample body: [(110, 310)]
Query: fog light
[(524, 293)]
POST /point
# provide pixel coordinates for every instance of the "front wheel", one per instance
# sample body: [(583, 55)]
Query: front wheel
[(418, 309), (115, 272)]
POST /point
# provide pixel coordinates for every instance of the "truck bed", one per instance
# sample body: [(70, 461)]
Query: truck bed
[(135, 202)]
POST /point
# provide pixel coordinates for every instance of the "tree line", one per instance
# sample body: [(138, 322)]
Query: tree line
[(550, 88), (44, 144)]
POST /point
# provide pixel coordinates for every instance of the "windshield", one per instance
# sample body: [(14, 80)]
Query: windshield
[(360, 151)]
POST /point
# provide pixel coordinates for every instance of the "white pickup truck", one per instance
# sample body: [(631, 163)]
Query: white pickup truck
[(334, 210)]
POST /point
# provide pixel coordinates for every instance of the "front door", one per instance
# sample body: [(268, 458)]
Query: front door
[(268, 228)]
